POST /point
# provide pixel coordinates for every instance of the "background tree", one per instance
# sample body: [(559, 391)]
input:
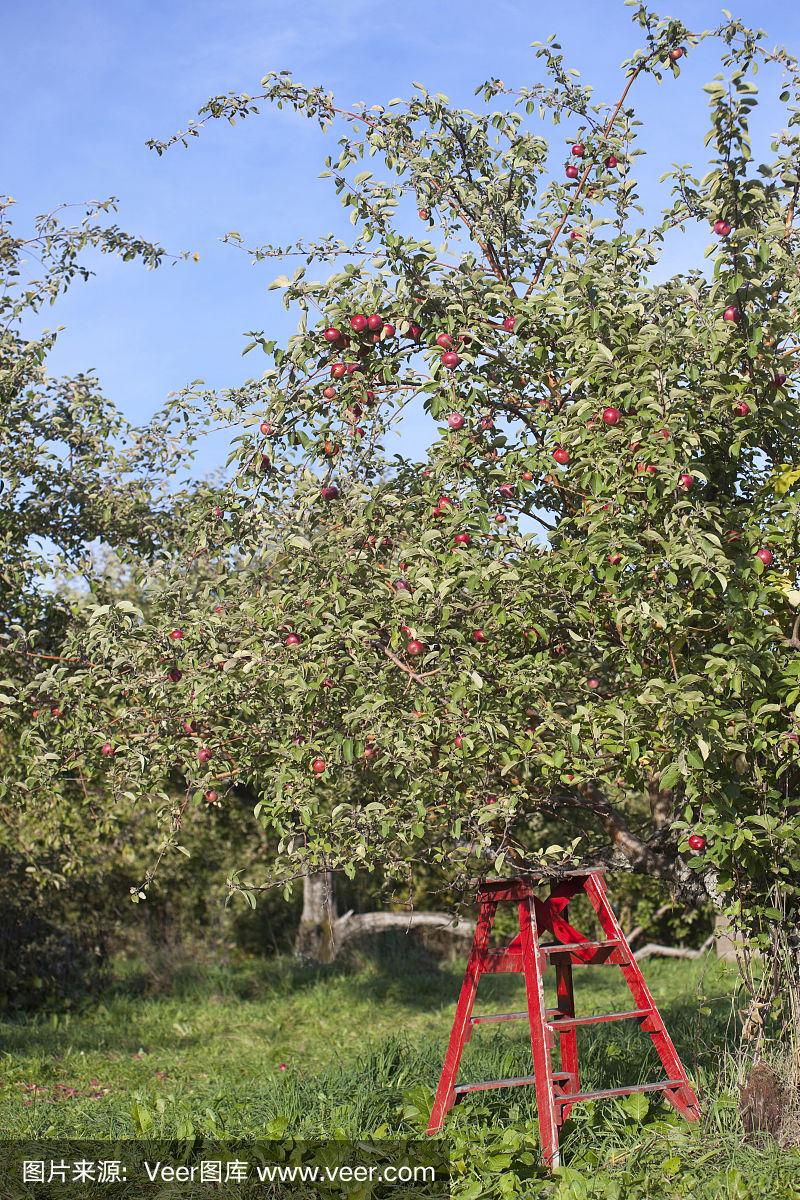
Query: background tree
[(580, 606)]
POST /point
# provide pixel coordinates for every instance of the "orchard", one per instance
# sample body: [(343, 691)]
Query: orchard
[(569, 632)]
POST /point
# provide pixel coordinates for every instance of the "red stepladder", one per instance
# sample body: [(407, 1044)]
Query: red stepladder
[(556, 1091)]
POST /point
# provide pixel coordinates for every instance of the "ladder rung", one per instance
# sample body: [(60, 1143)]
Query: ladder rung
[(461, 1089), (569, 1022), (662, 1086), (513, 1016), (571, 947)]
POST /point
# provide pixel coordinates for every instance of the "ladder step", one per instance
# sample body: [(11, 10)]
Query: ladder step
[(484, 1017), (558, 1022), (662, 1086), (571, 947), (462, 1089)]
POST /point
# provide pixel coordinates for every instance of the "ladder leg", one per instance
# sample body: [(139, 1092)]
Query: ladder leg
[(537, 1016), (568, 1038), (681, 1098), (462, 1029)]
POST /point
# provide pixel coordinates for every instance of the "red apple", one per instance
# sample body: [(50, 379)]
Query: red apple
[(574, 236), (414, 648), (506, 491), (686, 481), (612, 416), (572, 171), (461, 539), (358, 322), (217, 512), (423, 214), (176, 634), (388, 331), (561, 455), (578, 149), (266, 428), (614, 559), (456, 420), (593, 683), (779, 380), (450, 360), (500, 518), (107, 749), (527, 476), (402, 585), (721, 227), (732, 314), (766, 556), (612, 161), (375, 323), (330, 492), (332, 335), (338, 370), (478, 635), (742, 409), (444, 341), (697, 842), (665, 434), (175, 675), (329, 393), (204, 754), (415, 332), (318, 765), (292, 639), (509, 324), (676, 53)]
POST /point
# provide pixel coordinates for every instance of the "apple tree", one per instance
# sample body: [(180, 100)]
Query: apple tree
[(576, 609), (80, 493)]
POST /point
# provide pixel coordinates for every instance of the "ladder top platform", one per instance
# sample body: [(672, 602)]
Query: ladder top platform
[(520, 888), (546, 875)]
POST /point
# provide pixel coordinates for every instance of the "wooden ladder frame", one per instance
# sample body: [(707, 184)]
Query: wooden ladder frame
[(556, 1091)]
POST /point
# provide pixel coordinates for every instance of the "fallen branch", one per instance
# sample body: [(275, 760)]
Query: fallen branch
[(653, 950), (358, 924), (636, 933)]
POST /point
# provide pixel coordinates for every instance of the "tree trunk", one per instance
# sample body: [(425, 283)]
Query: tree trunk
[(724, 938), (315, 935)]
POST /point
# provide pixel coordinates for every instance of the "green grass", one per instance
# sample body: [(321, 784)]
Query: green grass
[(363, 1049)]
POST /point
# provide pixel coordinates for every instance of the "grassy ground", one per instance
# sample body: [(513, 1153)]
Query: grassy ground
[(362, 1048)]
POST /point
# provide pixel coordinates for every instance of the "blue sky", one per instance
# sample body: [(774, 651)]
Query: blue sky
[(84, 84)]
